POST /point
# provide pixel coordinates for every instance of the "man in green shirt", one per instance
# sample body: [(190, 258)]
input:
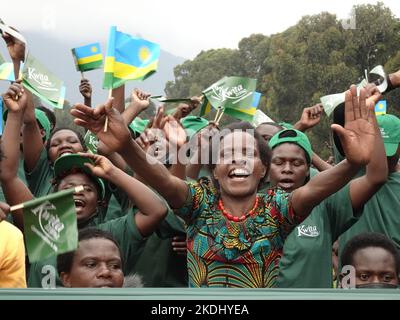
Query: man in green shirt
[(381, 214), (306, 260)]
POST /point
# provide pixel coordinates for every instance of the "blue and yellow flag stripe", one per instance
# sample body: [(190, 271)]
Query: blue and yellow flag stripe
[(7, 71), (205, 107), (245, 114), (128, 58), (88, 57), (381, 107)]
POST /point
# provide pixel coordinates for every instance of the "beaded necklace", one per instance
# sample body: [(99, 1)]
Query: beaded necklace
[(234, 218)]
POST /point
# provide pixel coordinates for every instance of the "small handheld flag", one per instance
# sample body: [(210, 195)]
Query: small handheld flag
[(381, 107), (88, 57), (128, 58), (50, 224), (42, 82), (6, 70)]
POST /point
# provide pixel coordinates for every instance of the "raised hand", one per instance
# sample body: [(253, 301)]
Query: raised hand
[(85, 89), (16, 48), (310, 117), (15, 98), (174, 132), (117, 135), (102, 167), (140, 99), (358, 135)]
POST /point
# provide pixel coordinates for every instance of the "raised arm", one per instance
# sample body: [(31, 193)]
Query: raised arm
[(363, 188), (16, 49), (85, 88), (118, 139), (358, 139), (310, 117), (32, 137), (152, 209), (14, 189)]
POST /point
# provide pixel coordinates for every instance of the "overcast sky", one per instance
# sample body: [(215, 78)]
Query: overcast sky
[(182, 27)]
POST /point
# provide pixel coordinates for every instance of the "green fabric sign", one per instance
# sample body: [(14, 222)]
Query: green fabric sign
[(50, 224), (43, 83), (91, 142), (231, 92)]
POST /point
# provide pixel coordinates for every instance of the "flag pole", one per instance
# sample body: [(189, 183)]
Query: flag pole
[(82, 75), (366, 75), (220, 116), (106, 122), (217, 114), (22, 205)]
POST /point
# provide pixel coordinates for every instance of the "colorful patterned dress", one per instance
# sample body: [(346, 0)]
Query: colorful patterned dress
[(223, 253)]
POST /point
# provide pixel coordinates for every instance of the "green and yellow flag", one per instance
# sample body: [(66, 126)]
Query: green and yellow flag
[(234, 95), (245, 114), (6, 70), (128, 58), (88, 57), (91, 142), (205, 107), (43, 83), (50, 224)]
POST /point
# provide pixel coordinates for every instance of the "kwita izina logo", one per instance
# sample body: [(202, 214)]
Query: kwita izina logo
[(307, 231), (41, 79), (234, 93), (50, 224)]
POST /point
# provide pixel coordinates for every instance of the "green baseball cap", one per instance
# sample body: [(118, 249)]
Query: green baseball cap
[(41, 117), (193, 124), (292, 136), (69, 162), (138, 125), (390, 130)]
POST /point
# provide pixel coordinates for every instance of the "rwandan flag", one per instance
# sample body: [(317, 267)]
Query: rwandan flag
[(381, 107), (205, 107), (128, 58), (245, 114), (88, 57), (6, 70)]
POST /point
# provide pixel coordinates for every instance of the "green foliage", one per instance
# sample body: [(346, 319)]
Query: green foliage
[(295, 68)]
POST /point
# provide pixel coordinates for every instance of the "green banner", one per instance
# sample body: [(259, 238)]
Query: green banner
[(91, 142), (231, 92), (43, 83), (50, 225)]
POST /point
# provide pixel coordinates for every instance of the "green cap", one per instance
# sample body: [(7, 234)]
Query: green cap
[(292, 136), (41, 117), (138, 125), (69, 162), (193, 124), (390, 130)]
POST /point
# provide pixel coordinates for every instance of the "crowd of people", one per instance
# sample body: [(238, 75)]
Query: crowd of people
[(254, 207)]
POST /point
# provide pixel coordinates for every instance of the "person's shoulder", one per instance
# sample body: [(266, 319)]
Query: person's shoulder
[(275, 192), (8, 230)]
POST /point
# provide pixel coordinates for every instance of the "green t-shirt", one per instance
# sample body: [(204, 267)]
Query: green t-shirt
[(381, 214), (159, 265), (307, 252), (124, 231), (40, 178)]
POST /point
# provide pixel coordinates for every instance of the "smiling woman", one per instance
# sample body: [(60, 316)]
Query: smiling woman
[(235, 236)]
